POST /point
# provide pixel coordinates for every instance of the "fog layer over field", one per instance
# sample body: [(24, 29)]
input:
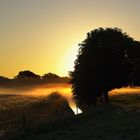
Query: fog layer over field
[(40, 91)]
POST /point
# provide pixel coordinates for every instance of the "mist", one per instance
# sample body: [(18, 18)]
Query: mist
[(38, 92), (21, 94)]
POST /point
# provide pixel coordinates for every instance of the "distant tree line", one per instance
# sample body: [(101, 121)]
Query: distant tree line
[(29, 76)]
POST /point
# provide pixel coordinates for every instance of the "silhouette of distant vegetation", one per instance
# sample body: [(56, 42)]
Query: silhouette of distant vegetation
[(50, 76), (4, 79), (28, 77), (107, 59)]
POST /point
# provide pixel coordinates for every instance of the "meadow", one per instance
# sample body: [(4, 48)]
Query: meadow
[(118, 120), (19, 99)]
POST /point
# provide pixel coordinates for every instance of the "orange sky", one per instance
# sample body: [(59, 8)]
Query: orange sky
[(43, 35)]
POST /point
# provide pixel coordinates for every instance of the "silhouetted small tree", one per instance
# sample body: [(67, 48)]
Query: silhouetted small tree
[(49, 76), (107, 59), (27, 75), (4, 79)]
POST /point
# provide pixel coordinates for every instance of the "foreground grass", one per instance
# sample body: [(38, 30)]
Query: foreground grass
[(28, 106), (119, 120), (130, 101)]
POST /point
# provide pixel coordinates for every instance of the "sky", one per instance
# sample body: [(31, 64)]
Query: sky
[(43, 35)]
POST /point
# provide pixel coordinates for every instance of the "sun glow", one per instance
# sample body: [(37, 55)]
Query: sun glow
[(67, 60)]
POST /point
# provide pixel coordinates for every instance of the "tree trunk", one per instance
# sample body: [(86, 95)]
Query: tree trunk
[(106, 97), (102, 98)]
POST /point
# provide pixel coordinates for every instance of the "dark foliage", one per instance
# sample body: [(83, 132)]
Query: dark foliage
[(49, 76), (27, 75), (4, 79), (107, 59), (28, 78)]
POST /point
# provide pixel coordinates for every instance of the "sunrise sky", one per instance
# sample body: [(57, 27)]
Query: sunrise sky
[(43, 35)]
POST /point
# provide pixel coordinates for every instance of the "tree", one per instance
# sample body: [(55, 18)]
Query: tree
[(50, 76), (4, 79), (136, 75), (106, 60), (27, 75)]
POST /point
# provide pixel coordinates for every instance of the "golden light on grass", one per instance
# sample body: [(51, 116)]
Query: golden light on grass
[(44, 90), (126, 90)]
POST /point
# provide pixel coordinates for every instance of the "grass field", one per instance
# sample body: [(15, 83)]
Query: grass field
[(118, 120), (98, 125)]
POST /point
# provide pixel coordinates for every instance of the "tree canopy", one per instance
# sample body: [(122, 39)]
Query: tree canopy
[(49, 76), (107, 59), (27, 75), (4, 79)]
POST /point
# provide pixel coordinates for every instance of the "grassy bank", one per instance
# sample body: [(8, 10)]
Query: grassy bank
[(118, 120)]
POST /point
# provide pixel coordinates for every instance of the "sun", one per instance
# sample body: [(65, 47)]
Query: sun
[(67, 61), (71, 56)]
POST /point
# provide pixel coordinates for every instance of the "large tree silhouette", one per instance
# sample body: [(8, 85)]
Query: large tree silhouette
[(107, 59)]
